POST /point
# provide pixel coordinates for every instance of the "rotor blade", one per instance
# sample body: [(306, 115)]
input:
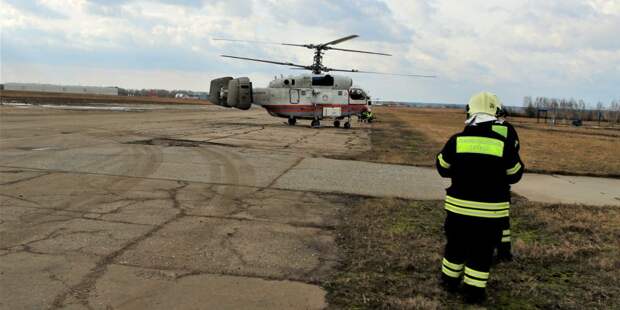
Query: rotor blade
[(382, 73), (258, 42), (356, 51), (267, 61), (300, 45), (353, 36)]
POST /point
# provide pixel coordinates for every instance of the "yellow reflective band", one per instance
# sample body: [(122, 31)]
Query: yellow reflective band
[(474, 282), (476, 273), (477, 213), (506, 232), (442, 162), (502, 130), (450, 273), (480, 145), (506, 239), (478, 204), (452, 265), (514, 169)]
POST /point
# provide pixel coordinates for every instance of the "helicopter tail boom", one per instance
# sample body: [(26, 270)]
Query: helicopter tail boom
[(229, 92)]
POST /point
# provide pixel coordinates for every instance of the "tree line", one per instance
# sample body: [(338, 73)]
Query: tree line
[(565, 110)]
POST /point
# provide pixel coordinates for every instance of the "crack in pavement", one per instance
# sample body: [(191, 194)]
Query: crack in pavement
[(183, 273), (237, 134), (226, 243), (240, 205), (301, 139), (26, 245), (84, 215), (25, 179), (81, 290), (136, 177), (19, 198), (295, 164), (257, 220)]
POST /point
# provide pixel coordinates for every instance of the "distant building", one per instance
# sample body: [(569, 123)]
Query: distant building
[(72, 89)]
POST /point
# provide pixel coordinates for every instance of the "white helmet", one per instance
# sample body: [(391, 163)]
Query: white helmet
[(484, 102)]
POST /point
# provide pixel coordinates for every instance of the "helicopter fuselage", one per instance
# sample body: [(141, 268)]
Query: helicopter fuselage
[(312, 97), (306, 96)]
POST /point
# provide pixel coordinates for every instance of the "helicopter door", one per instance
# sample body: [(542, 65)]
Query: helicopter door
[(294, 95)]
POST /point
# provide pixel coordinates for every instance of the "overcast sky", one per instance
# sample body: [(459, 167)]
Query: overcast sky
[(513, 48)]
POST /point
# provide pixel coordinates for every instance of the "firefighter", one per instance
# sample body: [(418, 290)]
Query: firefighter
[(482, 161), (367, 116)]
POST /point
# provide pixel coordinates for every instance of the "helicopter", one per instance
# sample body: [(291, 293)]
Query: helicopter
[(315, 96)]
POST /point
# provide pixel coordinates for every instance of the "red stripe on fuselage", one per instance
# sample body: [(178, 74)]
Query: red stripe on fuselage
[(300, 108)]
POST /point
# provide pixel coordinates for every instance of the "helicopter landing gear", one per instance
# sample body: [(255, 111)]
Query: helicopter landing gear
[(315, 123), (292, 121), (347, 124), (336, 123)]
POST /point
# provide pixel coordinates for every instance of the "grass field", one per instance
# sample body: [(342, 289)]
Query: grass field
[(567, 258), (64, 98), (414, 136)]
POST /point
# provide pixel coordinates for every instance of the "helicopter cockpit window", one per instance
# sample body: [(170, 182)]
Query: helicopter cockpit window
[(326, 80), (357, 94)]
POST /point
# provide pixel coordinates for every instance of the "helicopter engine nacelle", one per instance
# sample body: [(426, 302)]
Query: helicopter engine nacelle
[(229, 92)]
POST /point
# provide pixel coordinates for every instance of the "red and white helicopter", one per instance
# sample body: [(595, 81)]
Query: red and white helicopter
[(314, 96)]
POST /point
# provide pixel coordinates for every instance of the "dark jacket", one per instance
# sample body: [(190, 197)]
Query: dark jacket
[(482, 162)]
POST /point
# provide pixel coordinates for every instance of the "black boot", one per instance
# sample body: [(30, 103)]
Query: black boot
[(451, 285), (474, 295)]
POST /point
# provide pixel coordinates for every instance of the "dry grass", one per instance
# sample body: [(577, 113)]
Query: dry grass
[(44, 97), (567, 258), (395, 141), (414, 136)]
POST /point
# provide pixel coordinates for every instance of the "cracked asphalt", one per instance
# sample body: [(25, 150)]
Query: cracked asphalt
[(163, 208), (191, 207)]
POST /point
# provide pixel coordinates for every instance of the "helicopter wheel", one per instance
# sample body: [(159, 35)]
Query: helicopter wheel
[(347, 125), (292, 121), (315, 123), (336, 123)]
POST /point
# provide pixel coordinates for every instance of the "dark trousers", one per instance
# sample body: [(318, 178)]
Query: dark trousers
[(504, 248), (471, 242)]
